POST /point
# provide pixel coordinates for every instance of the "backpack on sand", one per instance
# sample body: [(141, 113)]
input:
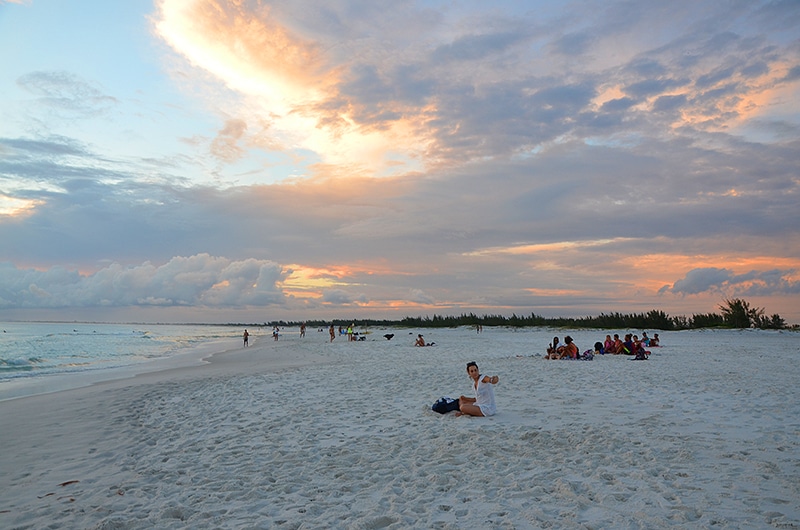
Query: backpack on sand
[(444, 405)]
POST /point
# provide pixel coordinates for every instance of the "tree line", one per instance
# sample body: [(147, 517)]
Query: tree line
[(734, 313)]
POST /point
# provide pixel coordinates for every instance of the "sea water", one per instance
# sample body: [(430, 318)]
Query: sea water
[(41, 355)]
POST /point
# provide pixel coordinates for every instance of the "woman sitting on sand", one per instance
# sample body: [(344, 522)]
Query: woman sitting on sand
[(638, 348), (608, 345), (483, 402), (552, 349), (570, 349)]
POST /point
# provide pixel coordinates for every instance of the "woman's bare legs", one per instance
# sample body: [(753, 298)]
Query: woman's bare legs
[(469, 409)]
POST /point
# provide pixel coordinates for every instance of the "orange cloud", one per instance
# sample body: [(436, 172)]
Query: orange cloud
[(627, 272), (14, 207), (288, 88), (761, 95), (252, 54), (542, 248), (554, 292), (305, 278)]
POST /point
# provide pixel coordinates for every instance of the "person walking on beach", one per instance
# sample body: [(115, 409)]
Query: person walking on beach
[(332, 332), (302, 330), (483, 402), (246, 336)]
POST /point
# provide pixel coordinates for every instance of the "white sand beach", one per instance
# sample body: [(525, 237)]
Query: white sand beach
[(301, 433)]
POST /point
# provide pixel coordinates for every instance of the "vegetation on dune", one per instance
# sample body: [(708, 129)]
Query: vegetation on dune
[(735, 313)]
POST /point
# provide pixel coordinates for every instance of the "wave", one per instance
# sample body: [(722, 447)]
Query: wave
[(20, 365)]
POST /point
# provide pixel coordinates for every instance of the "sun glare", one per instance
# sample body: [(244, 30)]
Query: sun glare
[(13, 207), (290, 83)]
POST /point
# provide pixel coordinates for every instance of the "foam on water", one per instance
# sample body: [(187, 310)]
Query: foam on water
[(38, 354)]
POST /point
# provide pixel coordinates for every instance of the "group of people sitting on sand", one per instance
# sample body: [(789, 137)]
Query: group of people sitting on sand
[(632, 345), (568, 350)]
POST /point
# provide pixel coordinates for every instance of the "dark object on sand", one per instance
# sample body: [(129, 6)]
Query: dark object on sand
[(444, 405), (388, 336)]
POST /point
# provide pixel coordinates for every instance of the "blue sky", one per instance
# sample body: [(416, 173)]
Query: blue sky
[(202, 160)]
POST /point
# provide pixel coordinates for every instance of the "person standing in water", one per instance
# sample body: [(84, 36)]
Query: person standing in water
[(245, 337), (483, 402)]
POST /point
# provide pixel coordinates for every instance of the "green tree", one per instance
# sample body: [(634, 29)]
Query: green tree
[(708, 320), (776, 322), (737, 313)]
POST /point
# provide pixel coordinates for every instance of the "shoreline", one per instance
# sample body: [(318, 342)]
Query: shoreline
[(196, 355), (217, 352)]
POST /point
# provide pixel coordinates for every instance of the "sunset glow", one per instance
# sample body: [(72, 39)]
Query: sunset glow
[(13, 207), (231, 158)]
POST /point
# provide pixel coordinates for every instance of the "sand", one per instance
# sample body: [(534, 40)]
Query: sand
[(306, 434)]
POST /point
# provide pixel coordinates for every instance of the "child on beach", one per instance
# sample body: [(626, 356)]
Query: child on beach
[(483, 402)]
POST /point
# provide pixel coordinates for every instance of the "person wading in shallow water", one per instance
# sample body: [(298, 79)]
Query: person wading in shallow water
[(483, 402)]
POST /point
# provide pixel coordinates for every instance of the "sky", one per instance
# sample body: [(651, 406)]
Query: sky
[(250, 160)]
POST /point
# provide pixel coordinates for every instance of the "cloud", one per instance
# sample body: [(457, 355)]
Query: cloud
[(669, 103), (472, 47), (464, 164), (420, 297), (619, 104), (752, 283), (225, 145), (290, 88), (349, 86), (340, 297), (200, 280), (54, 146), (66, 94), (700, 280)]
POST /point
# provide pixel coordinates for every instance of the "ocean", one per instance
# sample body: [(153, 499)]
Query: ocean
[(44, 357)]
